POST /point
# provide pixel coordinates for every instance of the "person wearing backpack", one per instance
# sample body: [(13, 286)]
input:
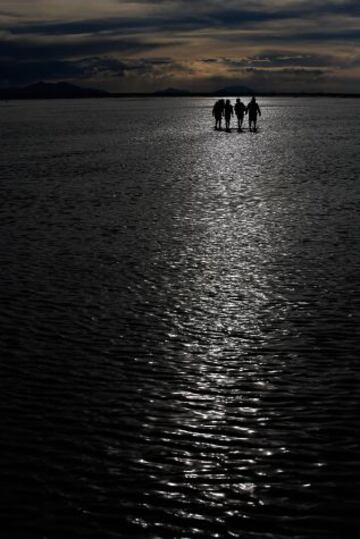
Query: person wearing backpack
[(253, 110), (218, 111)]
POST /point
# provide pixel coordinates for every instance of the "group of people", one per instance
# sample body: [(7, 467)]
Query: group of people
[(224, 109)]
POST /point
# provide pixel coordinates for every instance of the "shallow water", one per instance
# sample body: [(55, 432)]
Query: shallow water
[(180, 320)]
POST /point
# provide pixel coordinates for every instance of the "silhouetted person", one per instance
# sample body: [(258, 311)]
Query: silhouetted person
[(228, 112), (240, 110), (218, 112), (254, 110)]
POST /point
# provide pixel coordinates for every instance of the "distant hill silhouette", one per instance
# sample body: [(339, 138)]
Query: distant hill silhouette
[(171, 92), (235, 90), (47, 90), (64, 90), (227, 91)]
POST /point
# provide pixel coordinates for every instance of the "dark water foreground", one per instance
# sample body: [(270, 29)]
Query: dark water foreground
[(180, 321)]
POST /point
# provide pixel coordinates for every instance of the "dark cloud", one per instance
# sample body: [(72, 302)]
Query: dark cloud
[(287, 79), (26, 61), (314, 6), (89, 68), (293, 36), (210, 15), (6, 13), (113, 25), (329, 36), (27, 50), (174, 21), (100, 47), (23, 73), (349, 8), (187, 16), (309, 73), (321, 35), (274, 59)]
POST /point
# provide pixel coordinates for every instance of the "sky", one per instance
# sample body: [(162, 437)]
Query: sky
[(199, 45)]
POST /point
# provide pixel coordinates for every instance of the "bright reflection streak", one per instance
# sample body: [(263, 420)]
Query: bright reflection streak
[(227, 286)]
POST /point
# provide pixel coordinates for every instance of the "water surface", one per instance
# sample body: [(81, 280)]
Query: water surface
[(180, 320)]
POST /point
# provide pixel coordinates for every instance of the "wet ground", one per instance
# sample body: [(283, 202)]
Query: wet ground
[(180, 320)]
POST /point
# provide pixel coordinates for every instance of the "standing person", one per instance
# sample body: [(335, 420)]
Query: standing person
[(229, 111), (253, 109), (239, 111), (218, 112), (215, 113)]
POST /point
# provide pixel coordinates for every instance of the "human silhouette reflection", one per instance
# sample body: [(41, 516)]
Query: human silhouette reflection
[(228, 112), (240, 110), (253, 110), (218, 112)]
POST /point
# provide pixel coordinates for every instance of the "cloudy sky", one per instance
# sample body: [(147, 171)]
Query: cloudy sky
[(143, 45)]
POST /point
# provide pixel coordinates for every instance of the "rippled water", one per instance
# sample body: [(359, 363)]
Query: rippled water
[(180, 320)]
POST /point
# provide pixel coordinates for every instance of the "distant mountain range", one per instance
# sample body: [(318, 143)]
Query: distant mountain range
[(64, 90), (235, 90), (227, 91), (43, 90), (172, 92)]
